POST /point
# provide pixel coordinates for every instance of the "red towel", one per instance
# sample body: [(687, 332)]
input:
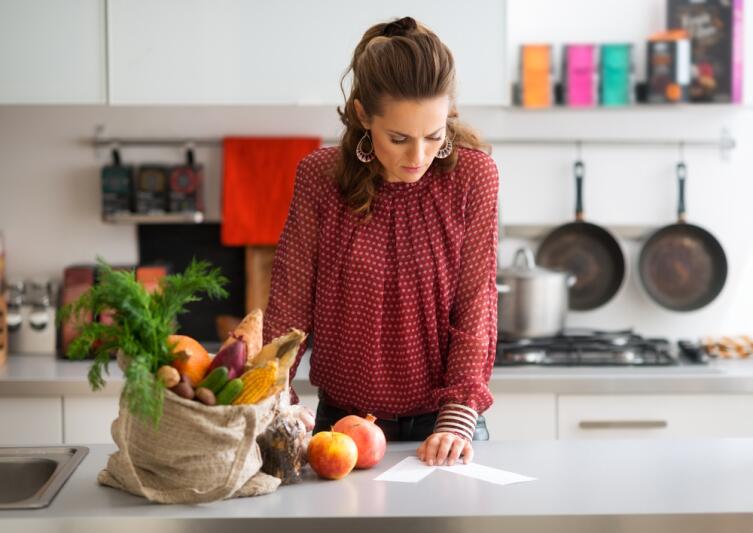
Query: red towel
[(258, 178)]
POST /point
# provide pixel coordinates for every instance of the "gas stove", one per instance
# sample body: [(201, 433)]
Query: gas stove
[(587, 347)]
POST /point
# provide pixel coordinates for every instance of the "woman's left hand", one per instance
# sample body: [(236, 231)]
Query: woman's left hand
[(442, 446)]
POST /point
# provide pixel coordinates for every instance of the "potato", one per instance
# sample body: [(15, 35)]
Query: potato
[(206, 396), (169, 376), (184, 389)]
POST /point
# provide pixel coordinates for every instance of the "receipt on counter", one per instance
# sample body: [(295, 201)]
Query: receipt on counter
[(412, 470), (409, 470)]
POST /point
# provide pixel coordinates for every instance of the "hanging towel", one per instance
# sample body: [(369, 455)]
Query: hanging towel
[(258, 178)]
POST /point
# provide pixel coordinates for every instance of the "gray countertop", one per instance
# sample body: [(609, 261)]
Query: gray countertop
[(34, 374), (586, 485)]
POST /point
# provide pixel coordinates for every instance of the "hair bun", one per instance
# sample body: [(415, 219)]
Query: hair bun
[(400, 27)]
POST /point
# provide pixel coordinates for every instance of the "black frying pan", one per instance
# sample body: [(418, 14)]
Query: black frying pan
[(682, 266), (586, 250)]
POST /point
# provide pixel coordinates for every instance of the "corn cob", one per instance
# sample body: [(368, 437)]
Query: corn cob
[(258, 383), (284, 347)]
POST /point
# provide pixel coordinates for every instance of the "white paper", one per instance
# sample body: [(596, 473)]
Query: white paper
[(409, 470), (485, 473), (412, 470)]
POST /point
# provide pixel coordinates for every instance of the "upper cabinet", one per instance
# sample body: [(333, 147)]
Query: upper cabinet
[(283, 52), (52, 52)]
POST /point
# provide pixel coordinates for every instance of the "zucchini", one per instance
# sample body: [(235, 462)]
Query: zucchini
[(230, 391), (215, 380)]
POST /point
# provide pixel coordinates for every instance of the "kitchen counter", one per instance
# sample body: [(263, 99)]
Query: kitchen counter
[(32, 374), (590, 485)]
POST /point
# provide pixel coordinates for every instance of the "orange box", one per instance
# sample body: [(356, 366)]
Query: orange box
[(536, 76)]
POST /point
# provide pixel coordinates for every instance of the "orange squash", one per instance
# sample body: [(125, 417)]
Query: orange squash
[(191, 358)]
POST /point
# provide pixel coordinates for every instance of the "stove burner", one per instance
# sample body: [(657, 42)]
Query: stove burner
[(584, 347)]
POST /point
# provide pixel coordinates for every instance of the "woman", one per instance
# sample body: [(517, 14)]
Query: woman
[(388, 255)]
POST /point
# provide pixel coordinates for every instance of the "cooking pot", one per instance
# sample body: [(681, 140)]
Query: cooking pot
[(531, 301)]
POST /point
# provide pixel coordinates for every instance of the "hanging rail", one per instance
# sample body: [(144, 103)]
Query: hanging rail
[(725, 142)]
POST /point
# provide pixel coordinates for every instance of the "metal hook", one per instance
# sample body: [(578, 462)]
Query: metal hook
[(189, 149)]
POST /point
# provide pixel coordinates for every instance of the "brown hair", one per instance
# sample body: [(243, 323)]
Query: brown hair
[(404, 60)]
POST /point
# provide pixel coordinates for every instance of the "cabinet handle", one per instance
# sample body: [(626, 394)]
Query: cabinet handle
[(622, 424)]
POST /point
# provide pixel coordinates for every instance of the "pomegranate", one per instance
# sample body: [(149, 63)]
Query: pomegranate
[(369, 438), (332, 455)]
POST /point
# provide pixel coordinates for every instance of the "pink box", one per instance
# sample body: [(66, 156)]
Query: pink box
[(580, 75)]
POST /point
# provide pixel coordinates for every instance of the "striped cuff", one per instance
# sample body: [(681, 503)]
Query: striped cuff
[(458, 419)]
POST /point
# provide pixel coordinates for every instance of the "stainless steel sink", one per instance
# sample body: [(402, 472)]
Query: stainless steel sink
[(31, 477)]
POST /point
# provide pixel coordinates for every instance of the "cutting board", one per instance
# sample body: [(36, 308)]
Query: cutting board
[(259, 260)]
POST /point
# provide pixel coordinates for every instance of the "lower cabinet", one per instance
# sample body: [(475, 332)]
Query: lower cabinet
[(87, 418), (654, 416), (30, 420), (522, 417)]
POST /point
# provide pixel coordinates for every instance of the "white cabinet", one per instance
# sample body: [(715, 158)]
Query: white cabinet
[(282, 52), (52, 51), (87, 418), (655, 416), (30, 420), (522, 417)]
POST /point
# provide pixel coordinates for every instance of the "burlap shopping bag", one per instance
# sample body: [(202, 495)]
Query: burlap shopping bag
[(198, 454)]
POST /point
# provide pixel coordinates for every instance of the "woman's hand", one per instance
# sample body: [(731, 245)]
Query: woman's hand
[(442, 446)]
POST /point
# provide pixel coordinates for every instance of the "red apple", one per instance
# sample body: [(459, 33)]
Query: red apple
[(369, 438), (332, 455)]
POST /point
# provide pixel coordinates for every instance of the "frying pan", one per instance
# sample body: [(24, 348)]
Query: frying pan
[(682, 266), (587, 251)]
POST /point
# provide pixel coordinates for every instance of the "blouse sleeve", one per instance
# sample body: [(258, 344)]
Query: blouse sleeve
[(291, 295), (473, 315)]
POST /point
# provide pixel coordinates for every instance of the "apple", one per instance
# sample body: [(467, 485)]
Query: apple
[(369, 438), (332, 455)]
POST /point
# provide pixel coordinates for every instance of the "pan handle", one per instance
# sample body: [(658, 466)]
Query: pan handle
[(682, 172), (579, 169)]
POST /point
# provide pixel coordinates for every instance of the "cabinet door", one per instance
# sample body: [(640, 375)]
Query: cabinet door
[(30, 421), (282, 52), (52, 52), (87, 419), (522, 417), (655, 416)]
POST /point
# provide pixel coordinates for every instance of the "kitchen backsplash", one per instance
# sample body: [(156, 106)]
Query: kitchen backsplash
[(50, 205)]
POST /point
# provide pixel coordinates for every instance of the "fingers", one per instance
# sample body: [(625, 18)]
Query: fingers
[(441, 448), (421, 451), (467, 452), (457, 448), (446, 442), (431, 444)]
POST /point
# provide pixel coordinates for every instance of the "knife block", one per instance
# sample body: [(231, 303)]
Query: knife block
[(259, 260)]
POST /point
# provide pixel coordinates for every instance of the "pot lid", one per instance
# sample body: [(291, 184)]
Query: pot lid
[(524, 266)]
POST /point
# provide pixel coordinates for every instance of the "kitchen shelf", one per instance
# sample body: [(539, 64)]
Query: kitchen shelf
[(188, 217), (539, 231)]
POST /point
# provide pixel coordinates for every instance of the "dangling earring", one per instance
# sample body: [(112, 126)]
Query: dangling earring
[(446, 150), (365, 157)]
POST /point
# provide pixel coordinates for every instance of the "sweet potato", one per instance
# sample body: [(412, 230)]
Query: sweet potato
[(250, 332)]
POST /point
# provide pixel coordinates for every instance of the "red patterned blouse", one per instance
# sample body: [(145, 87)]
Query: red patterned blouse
[(403, 309)]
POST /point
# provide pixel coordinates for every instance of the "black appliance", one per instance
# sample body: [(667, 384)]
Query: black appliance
[(589, 347)]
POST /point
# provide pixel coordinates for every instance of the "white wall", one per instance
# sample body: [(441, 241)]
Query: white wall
[(49, 181), (49, 196)]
